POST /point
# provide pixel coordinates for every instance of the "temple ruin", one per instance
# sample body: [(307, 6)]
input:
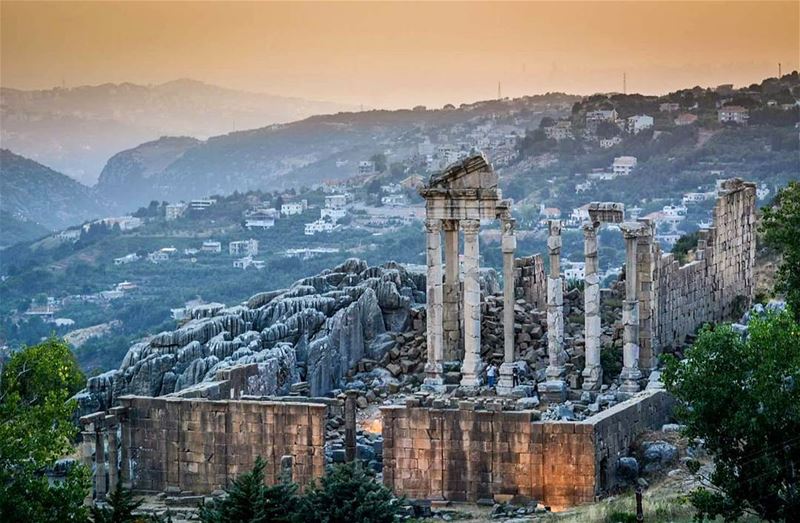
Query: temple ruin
[(450, 439), (458, 199)]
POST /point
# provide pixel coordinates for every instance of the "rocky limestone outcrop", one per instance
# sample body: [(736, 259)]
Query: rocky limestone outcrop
[(315, 331)]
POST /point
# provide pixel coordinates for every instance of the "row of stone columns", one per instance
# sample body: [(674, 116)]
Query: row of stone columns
[(100, 436), (441, 313), (554, 387)]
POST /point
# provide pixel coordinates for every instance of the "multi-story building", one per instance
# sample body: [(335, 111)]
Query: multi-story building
[(334, 213), (292, 208), (366, 167), (623, 165), (603, 115), (560, 131), (243, 248), (320, 225), (336, 201), (201, 204), (261, 219), (173, 211), (733, 114), (638, 123)]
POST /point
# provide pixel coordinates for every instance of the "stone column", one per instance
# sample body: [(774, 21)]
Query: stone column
[(509, 245), (100, 484), (350, 425), (87, 441), (433, 368), (451, 325), (113, 462), (472, 366), (592, 372), (555, 388), (630, 374)]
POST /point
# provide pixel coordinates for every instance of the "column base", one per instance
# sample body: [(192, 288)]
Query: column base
[(555, 373), (553, 391), (630, 377), (592, 377), (470, 380), (506, 383), (433, 375), (471, 373)]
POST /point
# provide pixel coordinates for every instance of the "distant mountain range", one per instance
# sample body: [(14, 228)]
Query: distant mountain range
[(35, 200), (75, 130)]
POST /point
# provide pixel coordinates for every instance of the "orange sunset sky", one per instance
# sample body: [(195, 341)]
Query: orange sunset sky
[(400, 54)]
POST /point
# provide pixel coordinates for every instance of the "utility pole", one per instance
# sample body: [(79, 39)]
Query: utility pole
[(779, 70), (499, 92), (624, 83)]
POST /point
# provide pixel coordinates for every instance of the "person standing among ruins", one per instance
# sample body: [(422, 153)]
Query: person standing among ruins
[(515, 376), (491, 374)]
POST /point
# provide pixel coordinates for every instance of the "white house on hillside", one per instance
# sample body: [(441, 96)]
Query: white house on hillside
[(623, 165), (638, 123)]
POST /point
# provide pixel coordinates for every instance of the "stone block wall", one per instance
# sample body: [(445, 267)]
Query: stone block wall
[(469, 455), (720, 280), (530, 282), (200, 445)]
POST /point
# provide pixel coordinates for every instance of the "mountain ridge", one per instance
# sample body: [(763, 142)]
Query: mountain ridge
[(75, 130), (36, 199)]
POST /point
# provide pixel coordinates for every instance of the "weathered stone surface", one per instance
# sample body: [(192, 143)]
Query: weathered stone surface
[(314, 331)]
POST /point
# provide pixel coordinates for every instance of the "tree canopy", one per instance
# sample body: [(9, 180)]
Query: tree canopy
[(36, 429), (780, 226), (741, 396)]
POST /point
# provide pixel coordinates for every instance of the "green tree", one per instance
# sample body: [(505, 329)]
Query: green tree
[(742, 397), (249, 500), (380, 162), (780, 226), (685, 243), (36, 429), (349, 493)]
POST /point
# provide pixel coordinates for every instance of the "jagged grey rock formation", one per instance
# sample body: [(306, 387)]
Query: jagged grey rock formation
[(314, 331)]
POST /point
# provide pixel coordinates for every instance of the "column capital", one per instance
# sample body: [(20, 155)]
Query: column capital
[(471, 226), (590, 230), (633, 230), (450, 225), (433, 225)]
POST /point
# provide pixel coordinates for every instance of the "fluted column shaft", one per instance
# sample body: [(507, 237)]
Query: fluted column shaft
[(100, 484), (509, 246), (592, 372), (433, 367), (555, 306), (472, 366), (452, 293), (630, 374)]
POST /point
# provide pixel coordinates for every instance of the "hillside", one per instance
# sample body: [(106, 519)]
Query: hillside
[(37, 198), (77, 129), (678, 143), (131, 171), (327, 147)]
